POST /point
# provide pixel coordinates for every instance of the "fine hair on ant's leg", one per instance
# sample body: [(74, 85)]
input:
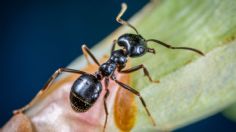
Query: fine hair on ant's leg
[(123, 22), (171, 47)]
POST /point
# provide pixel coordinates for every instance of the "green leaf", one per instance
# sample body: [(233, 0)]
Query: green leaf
[(230, 112), (192, 87), (193, 92)]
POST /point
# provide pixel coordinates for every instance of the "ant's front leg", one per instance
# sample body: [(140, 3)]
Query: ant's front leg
[(139, 67), (113, 46), (46, 88), (87, 52)]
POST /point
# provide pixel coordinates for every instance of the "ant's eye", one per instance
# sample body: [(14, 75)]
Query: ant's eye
[(141, 49)]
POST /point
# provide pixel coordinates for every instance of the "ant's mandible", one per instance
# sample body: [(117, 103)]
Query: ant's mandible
[(87, 88)]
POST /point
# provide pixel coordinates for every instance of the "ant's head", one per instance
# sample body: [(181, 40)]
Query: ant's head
[(134, 44)]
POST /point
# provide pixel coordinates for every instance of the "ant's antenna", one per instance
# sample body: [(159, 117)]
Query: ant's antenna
[(123, 22), (170, 47)]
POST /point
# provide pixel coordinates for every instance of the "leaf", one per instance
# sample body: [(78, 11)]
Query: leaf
[(231, 112), (192, 87), (193, 92), (190, 90)]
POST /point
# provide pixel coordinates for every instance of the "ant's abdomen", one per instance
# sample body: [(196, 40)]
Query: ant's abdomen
[(84, 92)]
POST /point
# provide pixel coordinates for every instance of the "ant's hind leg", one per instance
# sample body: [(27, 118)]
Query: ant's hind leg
[(139, 67), (105, 103), (87, 52), (46, 88), (140, 97)]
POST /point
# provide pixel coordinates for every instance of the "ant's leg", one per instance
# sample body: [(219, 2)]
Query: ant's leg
[(139, 67), (46, 87), (140, 97), (105, 104), (123, 22), (113, 46), (87, 53)]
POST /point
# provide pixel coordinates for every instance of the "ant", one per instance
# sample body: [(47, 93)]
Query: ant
[(87, 88)]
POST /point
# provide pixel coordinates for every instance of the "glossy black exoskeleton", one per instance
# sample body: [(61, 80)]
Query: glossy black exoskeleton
[(84, 92), (86, 89), (134, 45)]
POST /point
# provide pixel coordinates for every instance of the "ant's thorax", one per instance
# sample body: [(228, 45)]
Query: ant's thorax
[(117, 60)]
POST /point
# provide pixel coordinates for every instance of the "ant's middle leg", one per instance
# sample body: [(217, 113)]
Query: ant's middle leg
[(87, 52), (139, 67), (46, 88)]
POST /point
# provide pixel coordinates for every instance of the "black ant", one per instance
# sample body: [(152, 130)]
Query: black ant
[(87, 88)]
